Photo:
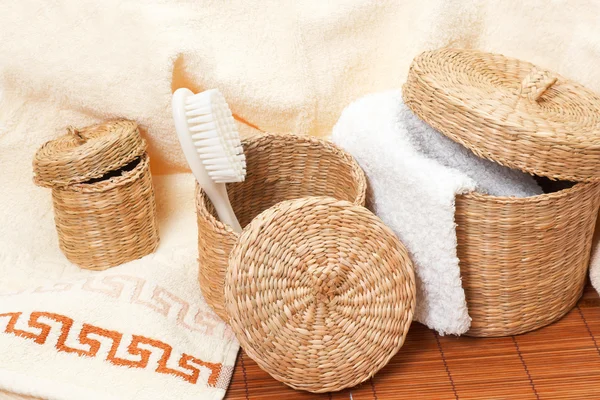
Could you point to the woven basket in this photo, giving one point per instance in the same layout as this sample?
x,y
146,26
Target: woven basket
x,y
104,206
523,260
280,167
319,292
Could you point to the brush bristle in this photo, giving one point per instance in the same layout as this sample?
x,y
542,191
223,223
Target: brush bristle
x,y
215,136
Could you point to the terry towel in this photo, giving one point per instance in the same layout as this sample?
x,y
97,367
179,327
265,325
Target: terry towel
x,y
286,66
137,331
122,333
414,173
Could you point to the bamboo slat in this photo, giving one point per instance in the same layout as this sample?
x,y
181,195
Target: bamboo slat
x,y
560,361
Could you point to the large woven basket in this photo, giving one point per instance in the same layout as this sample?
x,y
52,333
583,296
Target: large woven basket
x,y
319,292
280,167
104,206
523,260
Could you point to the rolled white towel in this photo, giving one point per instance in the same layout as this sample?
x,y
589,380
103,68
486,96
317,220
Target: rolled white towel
x,y
490,177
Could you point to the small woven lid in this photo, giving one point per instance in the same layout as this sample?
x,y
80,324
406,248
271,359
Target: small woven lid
x,y
508,111
87,153
320,293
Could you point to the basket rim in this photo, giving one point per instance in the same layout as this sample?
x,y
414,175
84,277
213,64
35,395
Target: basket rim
x,y
201,196
111,183
544,197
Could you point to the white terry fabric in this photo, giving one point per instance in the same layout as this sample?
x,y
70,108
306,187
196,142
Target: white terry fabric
x,y
156,297
154,340
595,258
490,178
414,174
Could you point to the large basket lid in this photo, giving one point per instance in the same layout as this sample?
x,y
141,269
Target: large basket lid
x,y
87,153
320,293
508,111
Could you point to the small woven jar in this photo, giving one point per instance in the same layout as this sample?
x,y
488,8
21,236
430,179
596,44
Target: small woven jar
x,y
319,292
523,261
104,206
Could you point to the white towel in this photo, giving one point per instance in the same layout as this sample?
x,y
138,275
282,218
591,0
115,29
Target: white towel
x,y
595,258
414,173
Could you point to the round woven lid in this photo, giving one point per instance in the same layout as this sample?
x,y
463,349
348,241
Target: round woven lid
x,y
87,153
320,293
508,111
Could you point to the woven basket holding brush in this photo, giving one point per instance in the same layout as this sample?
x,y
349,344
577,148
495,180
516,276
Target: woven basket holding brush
x,y
523,261
319,292
104,206
280,167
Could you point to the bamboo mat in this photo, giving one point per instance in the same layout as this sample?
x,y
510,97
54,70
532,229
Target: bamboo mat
x,y
561,361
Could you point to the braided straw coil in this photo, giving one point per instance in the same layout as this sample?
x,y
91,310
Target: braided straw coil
x,y
320,293
508,111
280,167
87,153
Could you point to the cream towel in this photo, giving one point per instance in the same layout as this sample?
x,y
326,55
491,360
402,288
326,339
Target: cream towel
x,y
155,300
414,174
117,334
286,65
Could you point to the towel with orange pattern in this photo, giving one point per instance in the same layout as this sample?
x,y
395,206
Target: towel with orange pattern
x,y
138,331
113,335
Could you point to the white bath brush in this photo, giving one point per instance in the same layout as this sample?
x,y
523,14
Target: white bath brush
x,y
211,144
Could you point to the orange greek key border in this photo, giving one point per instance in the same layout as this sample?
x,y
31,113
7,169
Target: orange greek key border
x,y
189,365
138,291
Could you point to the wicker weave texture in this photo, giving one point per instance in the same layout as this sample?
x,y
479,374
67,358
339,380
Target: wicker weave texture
x,y
88,153
110,222
524,261
280,167
320,293
509,111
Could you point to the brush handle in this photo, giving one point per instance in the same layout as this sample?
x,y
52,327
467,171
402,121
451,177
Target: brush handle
x,y
220,200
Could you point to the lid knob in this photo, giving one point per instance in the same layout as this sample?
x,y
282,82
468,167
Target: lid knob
x,y
536,83
71,130
326,280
